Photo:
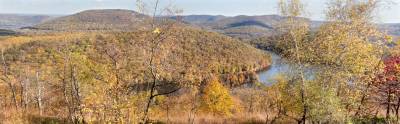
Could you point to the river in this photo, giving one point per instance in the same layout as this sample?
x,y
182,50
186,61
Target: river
x,y
279,67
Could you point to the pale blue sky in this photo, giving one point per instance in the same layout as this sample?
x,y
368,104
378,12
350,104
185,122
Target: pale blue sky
x,y
211,7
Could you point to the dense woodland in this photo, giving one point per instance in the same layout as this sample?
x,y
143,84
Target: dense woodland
x,y
60,73
82,69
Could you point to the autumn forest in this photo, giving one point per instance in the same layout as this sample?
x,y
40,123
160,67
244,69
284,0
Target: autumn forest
x,y
156,65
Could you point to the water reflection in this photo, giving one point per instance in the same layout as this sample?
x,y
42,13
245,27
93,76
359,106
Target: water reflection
x,y
281,67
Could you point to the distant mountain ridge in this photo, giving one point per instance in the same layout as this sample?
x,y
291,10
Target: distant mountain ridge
x,y
391,28
5,32
242,26
107,19
201,19
250,27
16,21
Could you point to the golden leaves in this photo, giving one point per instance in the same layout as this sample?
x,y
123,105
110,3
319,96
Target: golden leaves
x,y
216,99
157,31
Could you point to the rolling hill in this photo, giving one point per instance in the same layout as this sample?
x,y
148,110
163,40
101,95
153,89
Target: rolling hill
x,y
107,19
243,27
127,20
4,32
201,43
112,67
16,21
192,51
253,27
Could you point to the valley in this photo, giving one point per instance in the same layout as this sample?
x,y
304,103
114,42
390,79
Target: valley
x,y
155,65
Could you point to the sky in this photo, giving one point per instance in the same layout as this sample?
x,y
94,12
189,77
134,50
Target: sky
x,y
315,8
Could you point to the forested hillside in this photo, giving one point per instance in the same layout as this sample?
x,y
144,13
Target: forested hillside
x,y
97,20
110,71
153,65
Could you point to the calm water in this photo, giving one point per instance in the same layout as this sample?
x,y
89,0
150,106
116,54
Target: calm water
x,y
280,67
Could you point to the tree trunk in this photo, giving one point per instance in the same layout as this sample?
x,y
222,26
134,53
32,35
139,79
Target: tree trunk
x,y
149,100
13,93
39,94
76,95
22,92
26,83
303,117
192,113
7,80
397,109
388,105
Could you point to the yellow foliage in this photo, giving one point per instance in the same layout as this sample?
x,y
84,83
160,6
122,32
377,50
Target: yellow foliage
x,y
157,31
216,99
6,42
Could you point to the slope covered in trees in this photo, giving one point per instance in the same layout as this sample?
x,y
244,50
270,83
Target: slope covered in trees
x,y
107,19
81,76
110,71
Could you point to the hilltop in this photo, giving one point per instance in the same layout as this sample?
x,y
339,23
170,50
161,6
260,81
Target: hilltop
x,y
199,48
107,19
242,27
205,52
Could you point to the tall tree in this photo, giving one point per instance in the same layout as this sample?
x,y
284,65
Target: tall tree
x,y
351,48
216,99
296,31
161,28
386,86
